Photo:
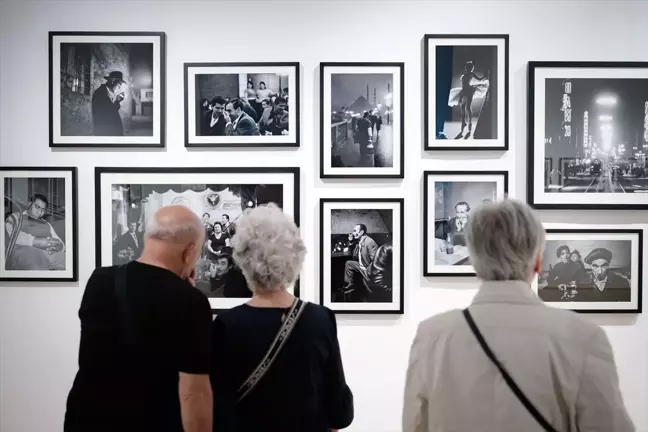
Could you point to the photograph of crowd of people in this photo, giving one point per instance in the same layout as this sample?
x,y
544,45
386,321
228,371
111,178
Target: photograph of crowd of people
x,y
108,91
218,205
37,231
588,268
449,202
244,105
361,264
362,130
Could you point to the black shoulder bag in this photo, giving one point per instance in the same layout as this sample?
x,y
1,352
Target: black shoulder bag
x,y
507,378
289,323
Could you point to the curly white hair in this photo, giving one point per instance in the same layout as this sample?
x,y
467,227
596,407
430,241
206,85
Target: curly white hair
x,y
268,249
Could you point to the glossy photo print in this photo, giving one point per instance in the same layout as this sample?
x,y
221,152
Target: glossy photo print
x,y
127,197
588,135
449,199
38,241
361,120
592,270
107,89
466,81
241,104
361,259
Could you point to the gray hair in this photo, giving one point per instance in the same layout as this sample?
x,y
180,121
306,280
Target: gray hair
x,y
504,240
268,249
174,225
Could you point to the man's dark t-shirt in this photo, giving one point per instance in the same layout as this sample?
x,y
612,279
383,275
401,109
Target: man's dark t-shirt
x,y
134,386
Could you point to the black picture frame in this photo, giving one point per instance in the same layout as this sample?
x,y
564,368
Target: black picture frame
x,y
398,202
426,213
72,238
54,138
291,172
537,199
504,100
638,266
397,149
295,95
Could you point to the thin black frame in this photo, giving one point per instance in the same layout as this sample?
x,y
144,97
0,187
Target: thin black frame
x,y
532,66
75,224
401,66
295,171
297,94
426,175
639,233
162,126
426,88
401,203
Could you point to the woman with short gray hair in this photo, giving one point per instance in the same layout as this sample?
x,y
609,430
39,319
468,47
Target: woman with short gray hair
x,y
276,360
508,363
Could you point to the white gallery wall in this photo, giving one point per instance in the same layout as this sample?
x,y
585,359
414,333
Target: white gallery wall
x,y
39,328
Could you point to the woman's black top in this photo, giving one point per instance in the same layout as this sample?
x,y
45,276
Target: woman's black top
x,y
218,243
303,391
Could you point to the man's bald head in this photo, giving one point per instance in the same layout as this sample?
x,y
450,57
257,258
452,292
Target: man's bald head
x,y
175,224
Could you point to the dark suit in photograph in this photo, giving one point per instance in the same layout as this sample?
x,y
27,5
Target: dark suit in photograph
x,y
356,269
106,120
457,230
243,126
128,248
613,289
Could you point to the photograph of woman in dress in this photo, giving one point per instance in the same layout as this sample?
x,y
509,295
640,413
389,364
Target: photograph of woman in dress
x,y
218,239
472,87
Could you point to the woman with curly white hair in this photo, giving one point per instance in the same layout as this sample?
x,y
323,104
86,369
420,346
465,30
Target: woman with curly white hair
x,y
276,360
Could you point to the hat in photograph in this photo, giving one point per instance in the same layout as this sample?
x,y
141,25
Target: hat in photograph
x,y
598,253
115,75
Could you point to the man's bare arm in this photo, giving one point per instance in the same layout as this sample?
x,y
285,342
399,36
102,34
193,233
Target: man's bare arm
x,y
196,402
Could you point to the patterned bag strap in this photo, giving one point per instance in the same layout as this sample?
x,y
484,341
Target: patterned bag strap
x,y
279,341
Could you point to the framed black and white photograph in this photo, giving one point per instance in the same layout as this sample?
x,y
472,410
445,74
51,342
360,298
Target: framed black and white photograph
x,y
448,199
107,89
39,239
361,255
466,92
126,197
241,104
588,135
361,120
592,270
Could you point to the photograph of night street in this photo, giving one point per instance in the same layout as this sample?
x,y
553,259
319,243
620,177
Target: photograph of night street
x,y
596,135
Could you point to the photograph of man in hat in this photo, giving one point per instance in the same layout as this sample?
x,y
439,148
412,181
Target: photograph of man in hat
x,y
601,284
106,102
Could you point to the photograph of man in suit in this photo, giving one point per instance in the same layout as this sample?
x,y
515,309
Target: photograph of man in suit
x,y
129,245
106,102
601,284
239,122
457,224
214,122
31,241
279,119
355,270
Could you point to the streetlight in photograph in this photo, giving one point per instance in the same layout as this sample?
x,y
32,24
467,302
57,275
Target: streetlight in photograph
x,y
606,100
605,118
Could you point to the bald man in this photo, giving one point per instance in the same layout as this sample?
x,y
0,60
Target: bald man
x,y
145,349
